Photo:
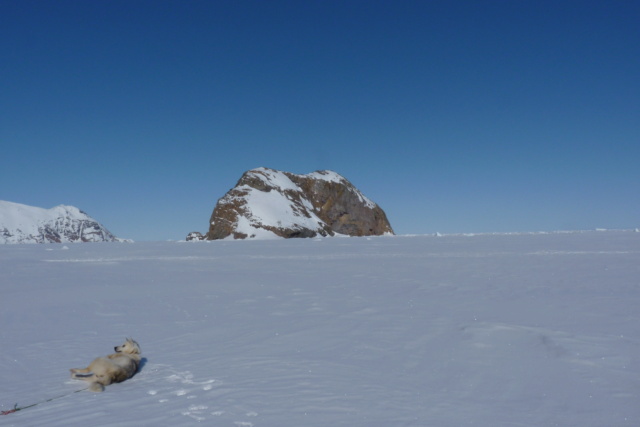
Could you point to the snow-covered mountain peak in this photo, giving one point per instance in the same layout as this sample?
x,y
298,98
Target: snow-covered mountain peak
x,y
61,224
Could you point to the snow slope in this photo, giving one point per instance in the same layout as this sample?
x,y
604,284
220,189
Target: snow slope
x,y
62,224
485,330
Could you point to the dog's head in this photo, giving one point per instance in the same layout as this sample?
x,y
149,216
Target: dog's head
x,y
130,346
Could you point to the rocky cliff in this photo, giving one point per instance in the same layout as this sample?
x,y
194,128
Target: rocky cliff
x,y
28,224
267,203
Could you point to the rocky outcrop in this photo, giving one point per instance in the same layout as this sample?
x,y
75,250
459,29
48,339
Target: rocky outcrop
x,y
267,203
194,236
62,224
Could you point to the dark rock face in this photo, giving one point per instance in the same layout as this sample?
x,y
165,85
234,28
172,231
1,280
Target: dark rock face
x,y
194,236
69,229
266,202
345,209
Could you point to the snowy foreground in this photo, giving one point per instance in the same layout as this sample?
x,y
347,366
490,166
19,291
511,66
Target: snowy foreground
x,y
485,330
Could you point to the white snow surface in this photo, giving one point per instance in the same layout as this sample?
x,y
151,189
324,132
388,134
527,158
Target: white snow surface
x,y
27,224
275,209
483,330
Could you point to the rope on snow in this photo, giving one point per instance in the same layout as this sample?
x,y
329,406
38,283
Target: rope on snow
x,y
17,408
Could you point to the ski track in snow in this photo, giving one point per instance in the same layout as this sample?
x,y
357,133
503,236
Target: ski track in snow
x,y
487,330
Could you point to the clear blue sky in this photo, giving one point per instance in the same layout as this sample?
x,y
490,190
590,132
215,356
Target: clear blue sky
x,y
454,116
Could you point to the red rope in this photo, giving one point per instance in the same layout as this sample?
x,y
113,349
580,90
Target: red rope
x,y
11,411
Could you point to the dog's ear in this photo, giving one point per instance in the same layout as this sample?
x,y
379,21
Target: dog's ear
x,y
134,345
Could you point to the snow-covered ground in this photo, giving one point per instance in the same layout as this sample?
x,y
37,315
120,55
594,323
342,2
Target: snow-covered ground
x,y
485,330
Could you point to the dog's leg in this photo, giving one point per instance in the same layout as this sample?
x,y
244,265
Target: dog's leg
x,y
96,387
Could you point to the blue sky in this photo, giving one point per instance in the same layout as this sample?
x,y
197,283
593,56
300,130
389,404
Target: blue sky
x,y
454,116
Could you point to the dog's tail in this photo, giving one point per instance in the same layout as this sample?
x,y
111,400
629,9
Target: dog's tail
x,y
78,376
96,387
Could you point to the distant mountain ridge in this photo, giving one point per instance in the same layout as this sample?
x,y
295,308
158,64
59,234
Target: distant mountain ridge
x,y
267,203
62,224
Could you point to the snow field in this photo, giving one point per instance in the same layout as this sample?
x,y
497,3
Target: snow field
x,y
485,330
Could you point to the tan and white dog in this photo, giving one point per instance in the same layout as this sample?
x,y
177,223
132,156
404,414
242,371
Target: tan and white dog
x,y
114,368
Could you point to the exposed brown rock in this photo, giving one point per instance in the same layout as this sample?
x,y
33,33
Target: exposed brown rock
x,y
289,205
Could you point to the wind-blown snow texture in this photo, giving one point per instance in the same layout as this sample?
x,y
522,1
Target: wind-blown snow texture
x,y
486,330
61,224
